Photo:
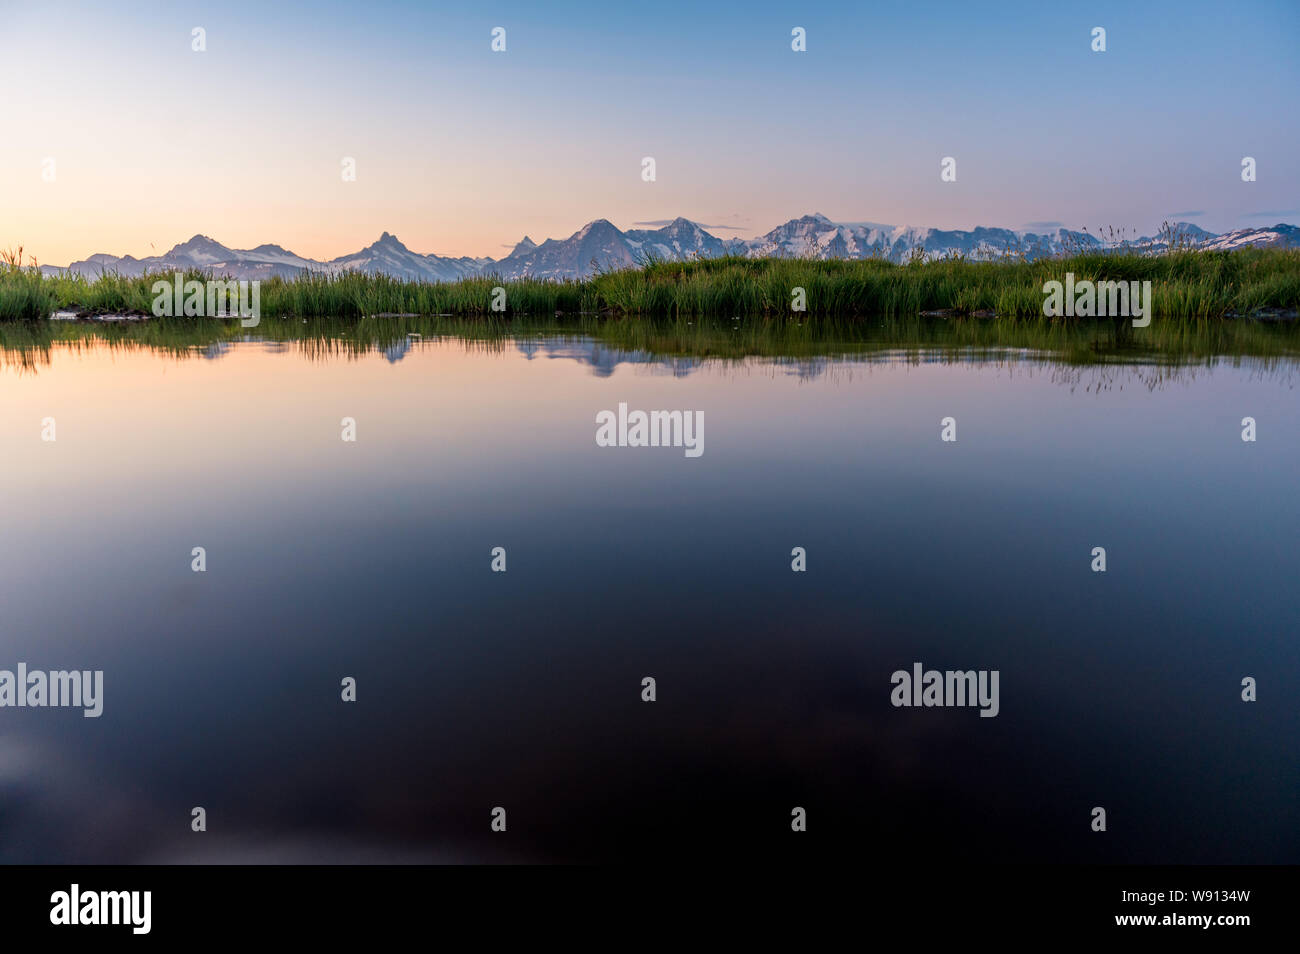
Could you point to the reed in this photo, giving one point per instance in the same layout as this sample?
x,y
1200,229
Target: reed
x,y
1186,285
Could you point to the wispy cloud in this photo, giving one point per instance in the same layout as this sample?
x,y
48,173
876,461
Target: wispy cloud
x,y
1185,215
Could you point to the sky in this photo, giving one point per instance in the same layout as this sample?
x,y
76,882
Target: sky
x,y
460,150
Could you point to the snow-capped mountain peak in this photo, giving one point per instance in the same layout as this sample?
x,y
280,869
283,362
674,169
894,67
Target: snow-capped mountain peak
x,y
600,245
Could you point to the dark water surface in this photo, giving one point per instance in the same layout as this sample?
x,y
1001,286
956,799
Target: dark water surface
x,y
522,689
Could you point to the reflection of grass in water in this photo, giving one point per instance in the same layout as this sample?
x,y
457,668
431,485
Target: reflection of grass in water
x,y
1073,342
1185,284
29,344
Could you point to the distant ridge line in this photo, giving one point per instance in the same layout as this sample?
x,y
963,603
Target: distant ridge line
x,y
608,247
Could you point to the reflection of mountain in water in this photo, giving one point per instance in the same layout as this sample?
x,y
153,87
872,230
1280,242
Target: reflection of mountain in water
x,y
219,349
395,351
604,359
1104,354
601,358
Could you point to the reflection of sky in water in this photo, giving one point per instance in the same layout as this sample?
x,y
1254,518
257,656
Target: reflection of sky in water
x,y
477,689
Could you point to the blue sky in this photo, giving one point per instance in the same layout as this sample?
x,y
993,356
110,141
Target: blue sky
x,y
460,150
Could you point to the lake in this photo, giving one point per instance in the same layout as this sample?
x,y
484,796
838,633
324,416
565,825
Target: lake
x,y
371,559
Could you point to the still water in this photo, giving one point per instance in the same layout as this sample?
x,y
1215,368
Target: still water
x,y
475,689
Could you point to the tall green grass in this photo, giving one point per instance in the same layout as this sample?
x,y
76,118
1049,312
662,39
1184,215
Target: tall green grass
x,y
1185,285
24,295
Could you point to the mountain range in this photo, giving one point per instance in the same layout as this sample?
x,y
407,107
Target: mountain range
x,y
600,245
